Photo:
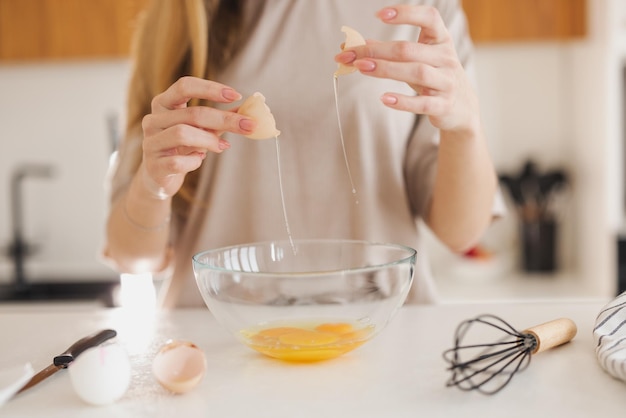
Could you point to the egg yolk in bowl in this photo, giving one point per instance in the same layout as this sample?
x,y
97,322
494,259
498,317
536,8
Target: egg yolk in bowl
x,y
307,341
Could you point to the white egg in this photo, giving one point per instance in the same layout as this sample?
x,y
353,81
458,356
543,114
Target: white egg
x,y
179,366
101,375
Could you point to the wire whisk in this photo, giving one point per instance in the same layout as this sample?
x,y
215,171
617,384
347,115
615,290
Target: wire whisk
x,y
489,367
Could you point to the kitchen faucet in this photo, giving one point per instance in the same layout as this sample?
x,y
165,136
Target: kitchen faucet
x,y
19,249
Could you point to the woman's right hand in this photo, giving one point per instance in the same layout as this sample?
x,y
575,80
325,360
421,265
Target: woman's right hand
x,y
177,137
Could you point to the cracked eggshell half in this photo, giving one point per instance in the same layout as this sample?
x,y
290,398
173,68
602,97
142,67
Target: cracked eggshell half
x,y
256,108
353,39
179,366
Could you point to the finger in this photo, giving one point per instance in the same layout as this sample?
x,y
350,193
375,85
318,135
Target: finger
x,y
427,17
422,105
418,75
177,164
406,51
182,135
187,88
203,117
346,56
188,151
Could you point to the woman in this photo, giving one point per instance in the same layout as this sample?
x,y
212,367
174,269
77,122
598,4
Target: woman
x,y
187,180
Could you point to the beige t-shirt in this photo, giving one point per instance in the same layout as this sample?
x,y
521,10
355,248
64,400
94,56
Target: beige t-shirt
x,y
391,154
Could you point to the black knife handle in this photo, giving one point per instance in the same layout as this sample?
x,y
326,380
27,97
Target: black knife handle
x,y
93,340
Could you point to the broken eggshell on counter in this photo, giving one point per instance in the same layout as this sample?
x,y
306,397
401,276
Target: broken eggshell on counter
x,y
179,366
101,375
353,39
256,108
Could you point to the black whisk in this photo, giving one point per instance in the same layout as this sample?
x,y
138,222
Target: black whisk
x,y
489,367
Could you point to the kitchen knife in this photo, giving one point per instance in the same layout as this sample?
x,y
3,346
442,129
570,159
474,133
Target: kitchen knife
x,y
63,360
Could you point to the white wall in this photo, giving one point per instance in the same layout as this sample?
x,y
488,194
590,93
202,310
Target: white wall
x,y
598,157
56,113
526,93
560,103
527,98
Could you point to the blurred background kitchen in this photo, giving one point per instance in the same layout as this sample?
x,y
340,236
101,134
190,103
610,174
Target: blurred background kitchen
x,y
551,79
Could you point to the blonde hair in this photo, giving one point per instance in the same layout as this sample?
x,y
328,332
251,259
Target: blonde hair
x,y
175,38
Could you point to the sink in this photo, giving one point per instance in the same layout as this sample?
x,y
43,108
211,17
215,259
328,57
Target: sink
x,y
26,289
101,291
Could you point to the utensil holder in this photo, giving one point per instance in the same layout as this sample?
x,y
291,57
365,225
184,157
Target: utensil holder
x,y
539,245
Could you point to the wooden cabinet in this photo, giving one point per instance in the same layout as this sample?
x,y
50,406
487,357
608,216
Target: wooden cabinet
x,y
61,29
525,20
64,29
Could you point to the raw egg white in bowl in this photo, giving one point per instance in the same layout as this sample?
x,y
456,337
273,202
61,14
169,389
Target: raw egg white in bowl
x,y
310,301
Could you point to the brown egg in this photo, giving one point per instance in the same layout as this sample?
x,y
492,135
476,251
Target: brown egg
x,y
353,38
179,366
255,108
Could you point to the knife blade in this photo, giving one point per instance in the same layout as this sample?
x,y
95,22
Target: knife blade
x,y
63,360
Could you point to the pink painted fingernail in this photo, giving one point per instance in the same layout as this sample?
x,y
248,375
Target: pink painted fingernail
x,y
230,94
346,57
387,13
247,125
365,65
223,144
388,99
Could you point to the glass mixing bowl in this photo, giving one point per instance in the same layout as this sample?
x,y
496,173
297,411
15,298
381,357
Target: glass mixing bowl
x,y
309,300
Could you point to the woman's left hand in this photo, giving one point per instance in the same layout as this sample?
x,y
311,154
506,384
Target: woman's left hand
x,y
429,65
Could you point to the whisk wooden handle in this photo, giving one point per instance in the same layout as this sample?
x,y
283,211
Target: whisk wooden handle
x,y
552,333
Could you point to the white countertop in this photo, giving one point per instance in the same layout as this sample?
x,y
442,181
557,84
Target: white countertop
x,y
400,373
516,287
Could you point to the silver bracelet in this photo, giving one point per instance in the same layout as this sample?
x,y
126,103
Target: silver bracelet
x,y
143,227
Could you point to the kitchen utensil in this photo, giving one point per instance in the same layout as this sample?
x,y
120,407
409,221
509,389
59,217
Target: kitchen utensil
x,y
533,193
63,360
318,302
514,187
550,184
488,367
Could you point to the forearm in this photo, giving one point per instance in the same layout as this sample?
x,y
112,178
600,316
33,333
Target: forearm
x,y
464,189
176,139
138,229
